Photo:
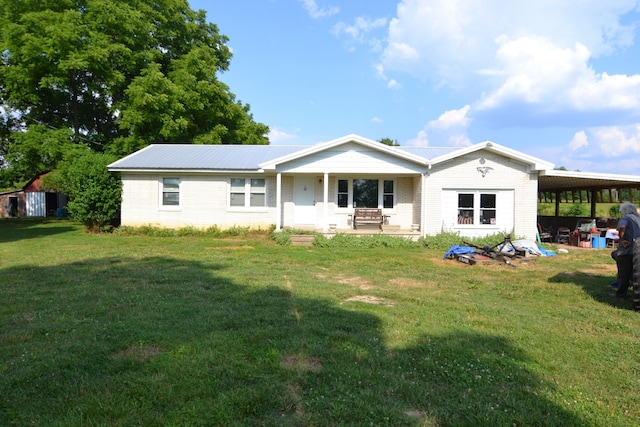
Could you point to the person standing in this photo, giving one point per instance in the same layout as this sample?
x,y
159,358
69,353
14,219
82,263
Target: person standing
x,y
628,231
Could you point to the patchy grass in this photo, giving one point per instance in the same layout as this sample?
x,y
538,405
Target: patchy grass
x,y
192,329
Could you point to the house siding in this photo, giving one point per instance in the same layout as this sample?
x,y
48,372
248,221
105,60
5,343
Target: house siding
x,y
203,203
505,176
351,159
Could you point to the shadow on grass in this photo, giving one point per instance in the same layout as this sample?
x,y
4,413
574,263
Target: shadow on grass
x,y
14,229
597,286
161,341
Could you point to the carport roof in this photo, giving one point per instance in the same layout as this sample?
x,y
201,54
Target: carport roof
x,y
552,180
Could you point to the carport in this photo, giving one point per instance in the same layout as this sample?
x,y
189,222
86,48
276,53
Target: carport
x,y
561,182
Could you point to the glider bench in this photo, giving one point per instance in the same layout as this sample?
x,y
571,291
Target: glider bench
x,y
367,216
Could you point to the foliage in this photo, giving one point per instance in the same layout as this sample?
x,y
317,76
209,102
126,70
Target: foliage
x,y
342,240
614,211
389,141
113,76
94,193
574,209
213,231
143,330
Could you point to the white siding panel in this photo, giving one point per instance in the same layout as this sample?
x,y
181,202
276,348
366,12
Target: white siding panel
x,y
36,204
351,159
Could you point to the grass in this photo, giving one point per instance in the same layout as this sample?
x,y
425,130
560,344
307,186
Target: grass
x,y
123,329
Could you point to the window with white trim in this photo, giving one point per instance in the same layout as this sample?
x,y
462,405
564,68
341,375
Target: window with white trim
x,y
477,208
170,191
366,193
247,192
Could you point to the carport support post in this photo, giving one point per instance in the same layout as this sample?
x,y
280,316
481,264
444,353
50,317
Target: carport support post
x,y
593,203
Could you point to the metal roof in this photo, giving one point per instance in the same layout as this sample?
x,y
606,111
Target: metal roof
x,y
559,180
228,157
249,158
202,157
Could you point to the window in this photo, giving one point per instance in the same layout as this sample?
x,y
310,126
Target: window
x,y
244,192
366,193
170,191
477,208
488,209
343,193
258,193
465,208
387,195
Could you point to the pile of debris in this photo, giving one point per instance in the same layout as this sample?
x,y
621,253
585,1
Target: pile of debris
x,y
507,252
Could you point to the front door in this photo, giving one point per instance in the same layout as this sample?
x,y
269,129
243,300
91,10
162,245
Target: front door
x,y
305,201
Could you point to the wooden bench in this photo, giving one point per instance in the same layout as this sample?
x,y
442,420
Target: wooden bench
x,y
367,216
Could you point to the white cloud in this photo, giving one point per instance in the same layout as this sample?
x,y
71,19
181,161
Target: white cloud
x,y
317,12
376,119
393,84
280,137
539,57
615,141
360,28
448,129
451,119
580,140
421,140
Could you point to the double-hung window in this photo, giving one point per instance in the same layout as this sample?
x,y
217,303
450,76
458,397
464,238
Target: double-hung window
x,y
170,191
247,192
477,208
366,193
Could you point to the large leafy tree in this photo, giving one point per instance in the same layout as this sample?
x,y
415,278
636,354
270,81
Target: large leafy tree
x,y
115,75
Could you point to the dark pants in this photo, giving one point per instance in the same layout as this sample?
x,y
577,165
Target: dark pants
x,y
625,270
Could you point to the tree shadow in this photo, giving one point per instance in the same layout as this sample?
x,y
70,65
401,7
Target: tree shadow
x,y
597,286
14,229
163,341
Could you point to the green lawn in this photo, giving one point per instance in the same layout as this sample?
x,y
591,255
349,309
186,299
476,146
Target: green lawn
x,y
121,330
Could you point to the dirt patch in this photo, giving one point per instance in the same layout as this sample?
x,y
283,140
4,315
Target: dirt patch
x,y
139,352
313,364
369,299
347,280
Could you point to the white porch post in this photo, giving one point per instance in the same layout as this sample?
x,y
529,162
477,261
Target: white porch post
x,y
325,200
423,208
278,201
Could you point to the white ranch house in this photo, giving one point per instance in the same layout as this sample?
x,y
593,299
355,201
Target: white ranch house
x,y
482,189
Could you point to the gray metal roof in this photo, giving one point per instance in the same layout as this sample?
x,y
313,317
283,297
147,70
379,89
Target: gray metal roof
x,y
202,157
227,157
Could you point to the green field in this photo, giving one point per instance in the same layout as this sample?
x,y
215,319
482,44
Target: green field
x,y
120,330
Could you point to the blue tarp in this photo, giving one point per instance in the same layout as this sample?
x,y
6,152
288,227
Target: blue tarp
x,y
458,250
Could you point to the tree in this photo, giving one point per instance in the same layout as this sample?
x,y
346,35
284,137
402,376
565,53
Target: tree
x,y
390,142
94,192
115,75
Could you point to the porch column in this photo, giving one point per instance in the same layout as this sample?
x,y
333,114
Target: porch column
x,y
278,201
325,200
423,207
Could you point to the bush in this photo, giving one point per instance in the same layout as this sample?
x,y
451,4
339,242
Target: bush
x,y
94,192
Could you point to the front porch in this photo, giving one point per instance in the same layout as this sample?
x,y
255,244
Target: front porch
x,y
387,230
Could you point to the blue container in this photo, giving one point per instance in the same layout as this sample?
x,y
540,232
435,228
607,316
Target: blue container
x,y
598,242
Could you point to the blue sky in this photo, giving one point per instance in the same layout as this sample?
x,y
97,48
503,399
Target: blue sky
x,y
559,80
